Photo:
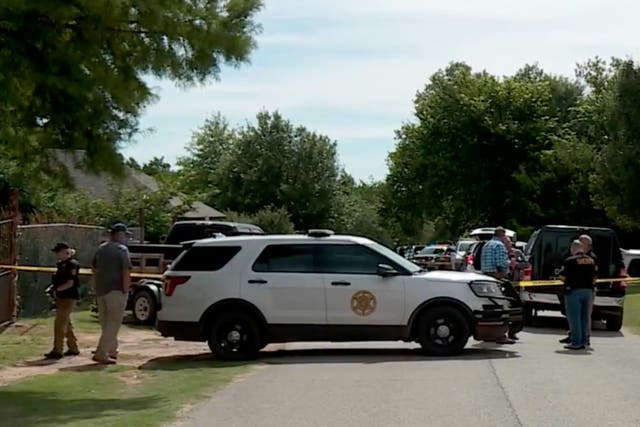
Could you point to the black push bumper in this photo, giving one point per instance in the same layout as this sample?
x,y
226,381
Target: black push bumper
x,y
492,322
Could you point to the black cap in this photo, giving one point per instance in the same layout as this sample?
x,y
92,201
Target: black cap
x,y
60,247
117,227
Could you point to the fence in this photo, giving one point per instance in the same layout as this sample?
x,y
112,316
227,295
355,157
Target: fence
x,y
8,255
36,242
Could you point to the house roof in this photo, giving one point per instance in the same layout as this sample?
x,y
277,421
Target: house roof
x,y
99,185
198,210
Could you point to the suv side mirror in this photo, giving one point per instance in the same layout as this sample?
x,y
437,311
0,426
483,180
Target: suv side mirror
x,y
385,270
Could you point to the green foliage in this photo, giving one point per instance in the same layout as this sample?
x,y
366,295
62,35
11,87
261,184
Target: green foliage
x,y
271,163
156,166
72,71
473,132
271,220
618,165
356,210
129,206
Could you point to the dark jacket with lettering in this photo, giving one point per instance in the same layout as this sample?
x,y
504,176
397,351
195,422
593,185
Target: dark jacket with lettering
x,y
67,270
579,272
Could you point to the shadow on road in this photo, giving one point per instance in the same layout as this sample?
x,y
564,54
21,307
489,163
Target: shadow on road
x,y
324,355
557,325
574,352
373,355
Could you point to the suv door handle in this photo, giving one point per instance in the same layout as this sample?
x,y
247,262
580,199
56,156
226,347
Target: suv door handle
x,y
340,283
258,282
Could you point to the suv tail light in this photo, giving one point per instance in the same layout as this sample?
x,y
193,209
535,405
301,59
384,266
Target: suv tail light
x,y
527,272
622,284
171,282
469,259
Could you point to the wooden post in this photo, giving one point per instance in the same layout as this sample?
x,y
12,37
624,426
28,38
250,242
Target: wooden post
x,y
14,212
141,221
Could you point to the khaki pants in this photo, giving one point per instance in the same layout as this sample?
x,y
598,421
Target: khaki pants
x,y
110,311
62,326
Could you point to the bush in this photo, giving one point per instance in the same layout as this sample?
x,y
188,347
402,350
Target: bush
x,y
270,219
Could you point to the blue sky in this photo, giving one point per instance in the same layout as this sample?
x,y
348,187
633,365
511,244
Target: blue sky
x,y
350,69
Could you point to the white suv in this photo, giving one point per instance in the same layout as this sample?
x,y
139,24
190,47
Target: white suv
x,y
241,293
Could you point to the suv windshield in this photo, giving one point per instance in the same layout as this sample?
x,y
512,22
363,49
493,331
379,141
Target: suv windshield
x,y
403,262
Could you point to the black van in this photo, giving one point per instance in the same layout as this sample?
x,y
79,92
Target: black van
x,y
546,250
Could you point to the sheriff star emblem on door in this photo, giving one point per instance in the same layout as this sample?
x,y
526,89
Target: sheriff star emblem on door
x,y
363,303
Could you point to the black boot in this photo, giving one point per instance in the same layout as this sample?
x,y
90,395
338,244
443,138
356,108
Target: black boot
x,y
566,340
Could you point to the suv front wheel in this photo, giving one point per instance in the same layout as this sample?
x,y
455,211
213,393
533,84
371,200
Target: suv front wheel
x,y
443,331
234,336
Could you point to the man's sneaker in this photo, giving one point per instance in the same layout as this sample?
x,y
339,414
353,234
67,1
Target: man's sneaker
x,y
574,347
103,361
71,353
566,340
505,340
111,356
53,355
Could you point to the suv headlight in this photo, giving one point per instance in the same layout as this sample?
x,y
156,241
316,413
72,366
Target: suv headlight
x,y
486,289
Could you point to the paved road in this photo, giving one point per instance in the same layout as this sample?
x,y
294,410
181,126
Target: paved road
x,y
533,383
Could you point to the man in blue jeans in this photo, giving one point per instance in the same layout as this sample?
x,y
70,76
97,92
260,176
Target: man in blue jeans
x,y
579,273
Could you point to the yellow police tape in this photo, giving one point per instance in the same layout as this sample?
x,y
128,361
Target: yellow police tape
x,y
83,271
522,284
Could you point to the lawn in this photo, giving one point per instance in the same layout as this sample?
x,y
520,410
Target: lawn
x,y
88,395
113,396
34,337
632,311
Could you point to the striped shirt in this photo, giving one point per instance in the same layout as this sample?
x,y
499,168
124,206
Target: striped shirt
x,y
495,257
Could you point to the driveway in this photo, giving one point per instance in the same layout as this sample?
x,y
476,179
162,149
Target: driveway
x,y
532,383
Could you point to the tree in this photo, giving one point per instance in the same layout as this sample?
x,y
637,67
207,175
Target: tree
x,y
156,166
124,205
200,171
75,69
271,163
456,164
617,167
271,220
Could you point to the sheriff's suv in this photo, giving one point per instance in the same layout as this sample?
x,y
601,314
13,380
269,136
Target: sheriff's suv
x,y
241,293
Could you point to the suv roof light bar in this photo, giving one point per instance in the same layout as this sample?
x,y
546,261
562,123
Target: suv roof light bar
x,y
320,233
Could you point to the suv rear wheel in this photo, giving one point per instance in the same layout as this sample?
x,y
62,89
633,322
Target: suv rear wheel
x,y
234,336
614,322
443,331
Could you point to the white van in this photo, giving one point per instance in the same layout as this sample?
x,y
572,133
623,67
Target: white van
x,y
486,233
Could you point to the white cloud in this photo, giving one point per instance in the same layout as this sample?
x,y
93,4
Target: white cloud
x,y
350,69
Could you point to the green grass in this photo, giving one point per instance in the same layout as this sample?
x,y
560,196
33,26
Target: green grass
x,y
632,312
113,396
34,337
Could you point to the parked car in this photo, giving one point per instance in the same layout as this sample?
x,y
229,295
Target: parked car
x,y
546,250
241,293
439,257
463,246
631,260
412,251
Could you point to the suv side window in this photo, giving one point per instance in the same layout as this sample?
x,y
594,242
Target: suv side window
x,y
206,258
351,259
286,259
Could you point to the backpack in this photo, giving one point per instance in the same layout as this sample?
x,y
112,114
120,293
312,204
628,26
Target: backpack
x,y
477,258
